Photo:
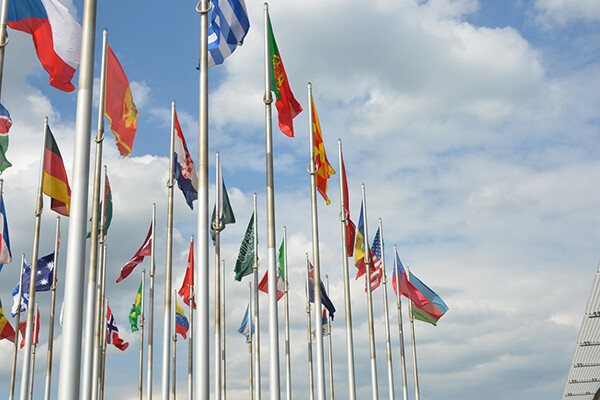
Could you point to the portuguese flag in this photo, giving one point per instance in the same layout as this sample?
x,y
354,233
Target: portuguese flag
x,y
287,106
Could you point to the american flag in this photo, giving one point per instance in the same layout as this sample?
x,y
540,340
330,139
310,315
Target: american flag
x,y
376,264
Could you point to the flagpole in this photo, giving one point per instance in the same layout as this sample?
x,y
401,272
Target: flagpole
x,y
251,372
69,376
100,327
387,318
414,345
168,266
271,257
202,389
316,256
34,264
369,300
217,228
141,359
347,305
90,304
311,384
288,367
52,307
151,308
173,386
191,300
400,327
33,348
255,307
223,341
103,369
329,345
3,37
13,374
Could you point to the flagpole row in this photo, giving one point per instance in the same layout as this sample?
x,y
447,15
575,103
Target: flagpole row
x,y
386,317
13,374
52,309
400,327
311,385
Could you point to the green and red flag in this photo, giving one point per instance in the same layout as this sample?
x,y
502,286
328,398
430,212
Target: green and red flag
x,y
287,106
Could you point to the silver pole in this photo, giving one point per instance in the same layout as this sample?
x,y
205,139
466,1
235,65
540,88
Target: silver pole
x,y
201,276
311,384
329,345
168,266
217,228
369,301
387,318
288,366
347,305
400,327
251,372
271,256
414,344
3,36
255,308
33,348
174,386
70,364
151,308
103,369
16,343
316,256
90,304
34,263
141,359
223,341
52,307
190,335
100,326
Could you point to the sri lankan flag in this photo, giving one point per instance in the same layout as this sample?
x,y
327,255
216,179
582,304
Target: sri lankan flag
x,y
324,169
56,184
119,107
287,106
6,329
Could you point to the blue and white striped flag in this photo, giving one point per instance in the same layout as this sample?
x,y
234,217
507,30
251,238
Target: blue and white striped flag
x,y
244,328
228,28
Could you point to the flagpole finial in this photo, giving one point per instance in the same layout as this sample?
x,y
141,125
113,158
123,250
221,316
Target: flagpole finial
x,y
266,6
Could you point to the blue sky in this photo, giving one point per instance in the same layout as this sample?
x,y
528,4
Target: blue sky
x,y
473,124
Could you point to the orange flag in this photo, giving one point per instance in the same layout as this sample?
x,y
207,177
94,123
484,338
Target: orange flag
x,y
119,107
324,169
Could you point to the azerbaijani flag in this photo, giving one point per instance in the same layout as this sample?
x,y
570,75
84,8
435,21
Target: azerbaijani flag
x,y
56,37
324,169
181,323
56,183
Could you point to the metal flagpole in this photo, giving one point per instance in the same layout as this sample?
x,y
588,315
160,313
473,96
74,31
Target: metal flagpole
x,y
202,388
103,369
387,318
311,384
250,340
316,257
141,359
33,269
33,348
52,307
217,228
168,266
191,337
288,367
100,327
414,345
151,308
369,300
90,303
329,344
70,365
3,36
271,256
347,305
400,327
173,385
13,374
255,312
223,341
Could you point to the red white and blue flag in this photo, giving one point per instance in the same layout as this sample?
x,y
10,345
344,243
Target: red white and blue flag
x,y
185,172
112,332
376,263
5,254
56,37
181,322
5,121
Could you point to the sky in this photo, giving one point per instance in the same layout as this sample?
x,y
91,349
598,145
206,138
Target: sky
x,y
472,124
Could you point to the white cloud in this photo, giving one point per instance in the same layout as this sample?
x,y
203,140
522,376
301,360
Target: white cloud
x,y
563,12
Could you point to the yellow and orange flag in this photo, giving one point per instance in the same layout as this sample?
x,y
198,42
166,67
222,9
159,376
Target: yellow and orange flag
x,y
324,169
119,107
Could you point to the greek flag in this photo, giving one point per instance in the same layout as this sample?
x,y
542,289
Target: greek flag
x,y
228,28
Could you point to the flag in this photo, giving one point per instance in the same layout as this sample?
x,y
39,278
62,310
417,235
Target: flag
x,y
108,209
112,332
322,166
324,329
43,282
36,330
119,107
136,309
5,124
264,285
350,228
287,106
246,325
327,303
359,245
185,171
144,250
181,323
56,183
56,36
5,253
226,216
245,259
281,259
188,281
376,263
228,28
6,329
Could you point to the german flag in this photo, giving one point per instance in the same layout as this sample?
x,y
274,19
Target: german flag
x,y
56,184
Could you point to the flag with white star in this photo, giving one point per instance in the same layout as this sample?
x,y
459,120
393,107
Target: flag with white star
x,y
43,282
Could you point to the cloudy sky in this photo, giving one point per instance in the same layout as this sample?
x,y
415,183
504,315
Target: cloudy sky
x,y
473,125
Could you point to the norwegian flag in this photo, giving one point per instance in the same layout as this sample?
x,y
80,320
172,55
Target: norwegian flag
x,y
112,332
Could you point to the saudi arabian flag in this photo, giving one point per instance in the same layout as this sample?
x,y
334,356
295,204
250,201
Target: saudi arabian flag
x,y
136,310
281,258
245,260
